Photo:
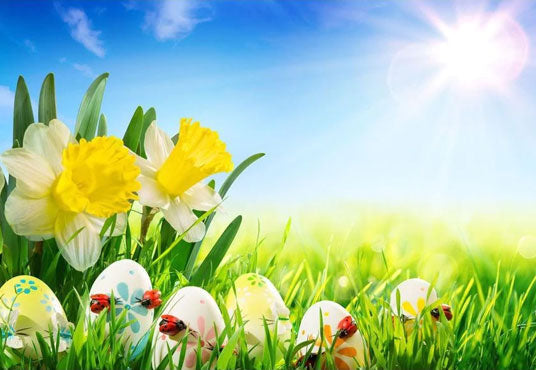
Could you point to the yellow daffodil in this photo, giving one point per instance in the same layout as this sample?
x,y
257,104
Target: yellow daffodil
x,y
66,189
171,175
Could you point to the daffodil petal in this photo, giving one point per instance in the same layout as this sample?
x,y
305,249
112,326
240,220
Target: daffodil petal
x,y
158,145
30,216
146,167
33,173
120,224
151,194
77,235
181,218
48,142
201,197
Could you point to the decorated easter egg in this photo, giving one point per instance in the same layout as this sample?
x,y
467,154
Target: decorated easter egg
x,y
191,311
128,282
413,297
338,330
259,302
29,307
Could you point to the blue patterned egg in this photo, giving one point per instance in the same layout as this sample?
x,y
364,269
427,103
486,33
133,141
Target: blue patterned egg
x,y
127,281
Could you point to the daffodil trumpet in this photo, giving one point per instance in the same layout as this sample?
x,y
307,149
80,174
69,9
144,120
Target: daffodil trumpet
x,y
171,176
66,189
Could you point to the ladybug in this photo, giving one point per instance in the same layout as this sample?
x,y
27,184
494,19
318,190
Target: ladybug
x,y
99,302
347,327
151,299
170,325
446,311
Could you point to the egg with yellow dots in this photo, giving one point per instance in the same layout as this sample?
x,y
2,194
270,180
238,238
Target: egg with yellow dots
x,y
28,306
411,297
258,302
330,327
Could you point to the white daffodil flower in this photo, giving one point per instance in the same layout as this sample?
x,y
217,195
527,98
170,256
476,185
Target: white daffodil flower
x,y
171,175
66,189
8,319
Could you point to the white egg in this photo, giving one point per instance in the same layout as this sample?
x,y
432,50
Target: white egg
x,y
349,352
128,281
28,306
258,301
413,297
197,309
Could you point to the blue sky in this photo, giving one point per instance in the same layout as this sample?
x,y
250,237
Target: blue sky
x,y
334,92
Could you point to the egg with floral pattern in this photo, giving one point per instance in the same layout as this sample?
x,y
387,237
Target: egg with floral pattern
x,y
202,322
414,297
259,302
29,307
127,281
348,351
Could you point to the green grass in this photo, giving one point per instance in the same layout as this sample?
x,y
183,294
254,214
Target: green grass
x,y
489,286
352,254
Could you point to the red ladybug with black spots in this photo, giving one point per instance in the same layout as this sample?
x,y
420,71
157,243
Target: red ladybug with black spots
x,y
151,299
346,327
171,325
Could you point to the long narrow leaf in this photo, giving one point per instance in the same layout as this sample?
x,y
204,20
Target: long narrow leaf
x,y
47,100
133,133
22,112
223,191
103,127
88,114
148,118
216,254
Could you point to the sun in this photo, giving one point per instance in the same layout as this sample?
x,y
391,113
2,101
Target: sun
x,y
484,51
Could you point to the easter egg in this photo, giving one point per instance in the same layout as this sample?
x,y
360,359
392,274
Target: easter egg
x,y
201,319
259,302
29,307
348,351
413,297
127,281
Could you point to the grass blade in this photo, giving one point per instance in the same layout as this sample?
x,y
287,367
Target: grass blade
x,y
216,254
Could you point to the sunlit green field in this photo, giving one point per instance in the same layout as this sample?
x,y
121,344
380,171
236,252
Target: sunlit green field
x,y
355,257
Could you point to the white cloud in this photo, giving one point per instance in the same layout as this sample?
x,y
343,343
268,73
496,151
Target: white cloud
x,y
85,69
30,45
81,30
6,97
174,19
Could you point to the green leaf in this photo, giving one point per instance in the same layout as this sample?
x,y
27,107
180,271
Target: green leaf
x,y
88,114
22,112
223,190
148,118
103,127
216,254
47,100
237,171
133,133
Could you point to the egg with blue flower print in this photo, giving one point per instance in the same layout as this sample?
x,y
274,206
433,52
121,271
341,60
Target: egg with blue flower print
x,y
258,301
192,313
28,306
130,285
330,327
415,295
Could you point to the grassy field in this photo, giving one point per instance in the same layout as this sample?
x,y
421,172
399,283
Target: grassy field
x,y
474,264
